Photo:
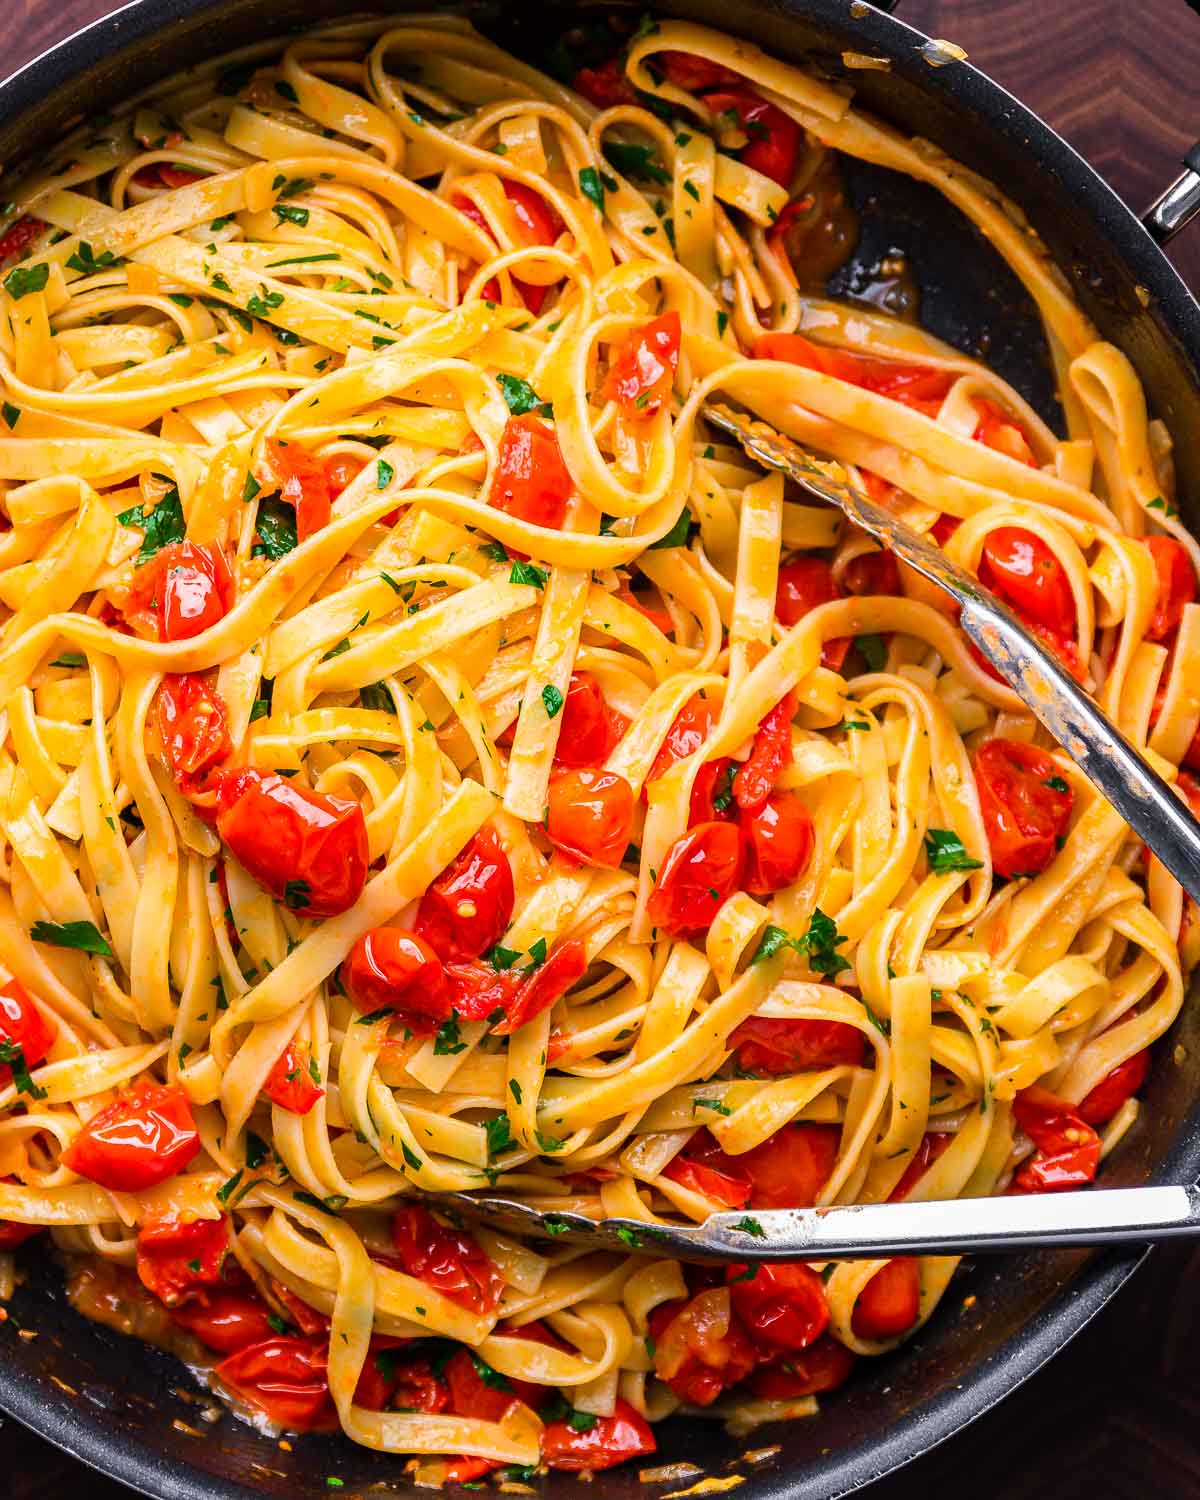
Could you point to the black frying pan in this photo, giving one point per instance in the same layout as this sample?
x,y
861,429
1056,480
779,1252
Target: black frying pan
x,y
131,1411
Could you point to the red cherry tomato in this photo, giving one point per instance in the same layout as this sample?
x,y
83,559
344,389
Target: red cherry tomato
x,y
712,793
1021,568
539,225
1068,1149
890,1302
779,843
590,815
933,1143
795,349
550,981
998,431
605,85
772,751
872,573
136,1142
13,1234
379,1378
704,1168
477,990
687,71
165,175
690,727
227,1320
466,909
182,591
944,528
341,471
1176,585
18,237
1099,1106
775,138
471,1395
700,1349
532,481
445,1259
308,850
191,718
804,583
1025,802
22,1025
822,1367
777,1044
176,1257
392,968
418,1388
791,1167
585,736
609,1441
642,371
700,873
302,481
292,1081
307,1319
919,386
781,1304
284,1377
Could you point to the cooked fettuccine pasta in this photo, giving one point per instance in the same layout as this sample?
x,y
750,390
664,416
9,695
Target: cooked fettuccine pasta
x,y
431,760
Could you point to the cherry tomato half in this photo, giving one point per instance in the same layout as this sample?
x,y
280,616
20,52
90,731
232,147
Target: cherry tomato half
x,y
292,1082
1026,805
308,850
227,1320
178,1257
608,1441
392,968
605,85
704,1168
379,1378
642,371
772,751
822,1367
445,1259
690,727
23,1025
590,815
1101,1104
183,590
699,874
18,237
191,719
550,981
538,224
1068,1149
533,482
1176,585
779,843
468,906
778,1044
302,481
890,1302
700,1349
791,1167
997,430
286,1378
1021,568
775,138
471,1395
933,1143
872,573
585,734
688,71
781,1303
136,1142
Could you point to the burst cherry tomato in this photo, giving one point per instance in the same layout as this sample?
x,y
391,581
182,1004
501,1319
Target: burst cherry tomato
x,y
478,990
532,481
690,727
1099,1106
550,981
471,1395
284,1377
700,873
538,224
778,1044
18,237
191,719
227,1320
775,138
890,1302
998,431
791,1167
176,1257
22,1025
688,71
468,906
779,843
704,1168
1025,802
642,371
292,1081
1068,1149
379,1378
590,815
872,573
822,1367
306,1318
919,386
445,1259
700,1349
302,481
605,85
933,1143
183,590
392,968
1021,568
308,850
136,1142
1176,585
781,1304
586,735
795,349
771,752
165,174
608,1441
805,583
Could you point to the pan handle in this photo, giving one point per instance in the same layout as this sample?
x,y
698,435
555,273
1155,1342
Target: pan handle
x,y
1180,204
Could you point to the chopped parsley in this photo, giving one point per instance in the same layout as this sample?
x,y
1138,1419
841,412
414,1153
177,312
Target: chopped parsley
x,y
82,935
447,1042
160,526
552,699
946,852
820,943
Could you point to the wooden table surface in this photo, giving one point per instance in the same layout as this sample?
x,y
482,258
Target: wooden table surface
x,y
1116,1416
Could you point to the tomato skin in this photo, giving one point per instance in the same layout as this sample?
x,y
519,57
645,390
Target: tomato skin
x,y
302,481
1020,567
921,387
795,349
1023,816
176,1258
933,1143
1068,1149
1176,585
18,237
191,719
390,967
605,85
585,735
771,752
774,144
698,1352
416,1387
181,592
789,1169
872,573
890,1303
688,71
642,371
23,1025
303,847
472,1396
699,874
451,1262
778,842
610,1441
781,1303
778,1044
378,1380
466,909
590,815
804,583
533,482
285,1377
226,1320
823,1366
539,225
997,430
138,1141
690,727
564,966
290,1083
1101,1104
703,1167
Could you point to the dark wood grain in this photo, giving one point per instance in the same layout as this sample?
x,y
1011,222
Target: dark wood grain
x,y
1117,1415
